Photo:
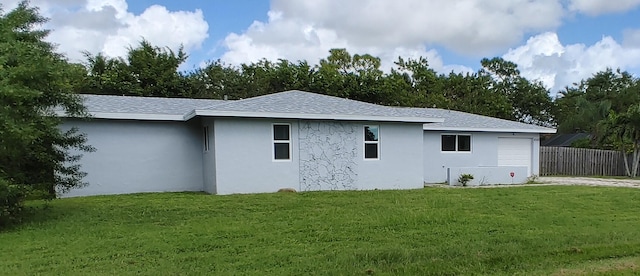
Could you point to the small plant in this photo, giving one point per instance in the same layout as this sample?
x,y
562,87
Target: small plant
x,y
464,178
532,179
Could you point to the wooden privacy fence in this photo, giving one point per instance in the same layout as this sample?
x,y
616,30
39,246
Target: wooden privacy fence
x,y
575,161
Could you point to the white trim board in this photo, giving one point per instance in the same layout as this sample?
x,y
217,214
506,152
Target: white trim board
x,y
481,129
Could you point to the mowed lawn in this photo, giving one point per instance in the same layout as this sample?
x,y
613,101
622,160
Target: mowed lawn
x,y
562,230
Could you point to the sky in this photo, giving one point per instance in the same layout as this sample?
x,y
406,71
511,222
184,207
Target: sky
x,y
557,42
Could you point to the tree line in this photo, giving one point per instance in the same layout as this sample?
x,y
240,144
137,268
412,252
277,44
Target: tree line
x,y
37,83
496,90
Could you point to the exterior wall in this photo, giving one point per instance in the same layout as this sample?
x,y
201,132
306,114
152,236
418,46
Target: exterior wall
x,y
140,156
401,163
484,153
326,155
244,157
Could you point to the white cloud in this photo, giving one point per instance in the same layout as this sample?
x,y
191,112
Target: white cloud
x,y
598,7
631,38
107,26
160,27
281,38
119,5
544,58
308,29
468,26
296,38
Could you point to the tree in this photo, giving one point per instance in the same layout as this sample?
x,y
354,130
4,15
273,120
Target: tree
x,y
472,93
148,71
582,106
34,83
624,131
576,114
427,85
215,81
109,76
334,75
530,100
464,92
588,106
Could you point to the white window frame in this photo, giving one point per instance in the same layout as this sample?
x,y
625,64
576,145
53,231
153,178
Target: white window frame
x,y
457,135
365,142
205,139
274,141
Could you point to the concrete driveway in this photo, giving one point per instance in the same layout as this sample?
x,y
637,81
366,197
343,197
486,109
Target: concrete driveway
x,y
590,181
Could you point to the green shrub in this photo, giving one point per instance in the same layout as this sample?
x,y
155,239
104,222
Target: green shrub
x,y
11,201
465,178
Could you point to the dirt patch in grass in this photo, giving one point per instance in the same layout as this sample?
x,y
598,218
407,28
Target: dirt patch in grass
x,y
623,266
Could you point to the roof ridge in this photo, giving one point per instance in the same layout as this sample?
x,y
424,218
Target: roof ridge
x,y
250,99
227,102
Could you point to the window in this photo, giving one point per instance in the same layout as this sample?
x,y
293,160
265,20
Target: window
x,y
205,138
456,142
448,142
281,142
371,142
464,143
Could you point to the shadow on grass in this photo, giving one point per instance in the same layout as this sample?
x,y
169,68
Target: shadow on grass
x,y
34,211
40,212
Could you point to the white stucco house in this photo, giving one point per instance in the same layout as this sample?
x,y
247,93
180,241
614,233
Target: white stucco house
x,y
293,139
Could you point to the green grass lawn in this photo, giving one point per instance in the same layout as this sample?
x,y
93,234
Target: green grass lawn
x,y
562,230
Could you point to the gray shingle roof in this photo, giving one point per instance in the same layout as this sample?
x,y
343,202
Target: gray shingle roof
x,y
144,105
300,102
295,104
469,122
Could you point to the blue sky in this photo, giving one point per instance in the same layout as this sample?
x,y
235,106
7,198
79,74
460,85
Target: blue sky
x,y
557,42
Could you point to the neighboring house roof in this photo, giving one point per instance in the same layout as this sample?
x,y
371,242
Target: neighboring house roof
x,y
564,140
296,105
462,121
305,105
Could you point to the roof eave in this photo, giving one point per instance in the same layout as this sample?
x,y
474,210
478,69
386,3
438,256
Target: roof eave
x,y
480,129
340,117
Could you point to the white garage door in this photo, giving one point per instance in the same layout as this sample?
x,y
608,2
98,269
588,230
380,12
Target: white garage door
x,y
515,152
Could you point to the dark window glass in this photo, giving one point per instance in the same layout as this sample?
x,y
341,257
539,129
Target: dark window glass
x,y
281,132
371,151
371,133
464,143
448,143
205,137
281,151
